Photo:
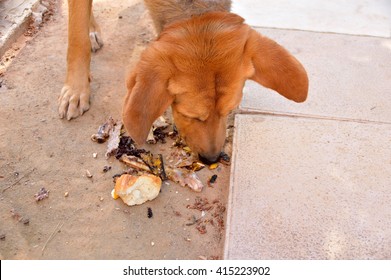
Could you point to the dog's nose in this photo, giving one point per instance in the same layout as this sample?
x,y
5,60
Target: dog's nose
x,y
208,159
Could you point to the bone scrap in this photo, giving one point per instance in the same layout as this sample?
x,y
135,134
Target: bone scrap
x,y
185,178
104,131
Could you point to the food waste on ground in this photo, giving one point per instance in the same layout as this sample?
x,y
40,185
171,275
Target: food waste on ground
x,y
143,180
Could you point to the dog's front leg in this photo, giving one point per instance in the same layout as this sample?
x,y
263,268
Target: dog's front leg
x,y
75,95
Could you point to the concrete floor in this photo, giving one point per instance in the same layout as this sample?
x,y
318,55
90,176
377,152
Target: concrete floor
x,y
311,180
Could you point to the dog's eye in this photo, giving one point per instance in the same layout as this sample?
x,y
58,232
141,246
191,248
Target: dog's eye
x,y
193,118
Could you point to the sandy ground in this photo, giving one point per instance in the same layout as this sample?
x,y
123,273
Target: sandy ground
x,y
37,149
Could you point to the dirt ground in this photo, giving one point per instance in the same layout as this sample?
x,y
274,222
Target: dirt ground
x,y
37,149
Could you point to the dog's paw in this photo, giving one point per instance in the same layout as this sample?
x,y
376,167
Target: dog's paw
x,y
73,103
96,41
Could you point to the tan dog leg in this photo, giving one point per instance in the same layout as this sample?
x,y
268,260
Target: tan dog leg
x,y
75,95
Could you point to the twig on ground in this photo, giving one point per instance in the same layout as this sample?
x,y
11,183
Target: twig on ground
x,y
58,227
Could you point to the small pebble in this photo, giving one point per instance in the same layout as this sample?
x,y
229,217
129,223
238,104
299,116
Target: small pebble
x,y
88,174
152,243
66,194
95,155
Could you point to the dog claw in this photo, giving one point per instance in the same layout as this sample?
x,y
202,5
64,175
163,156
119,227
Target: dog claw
x,y
72,103
96,41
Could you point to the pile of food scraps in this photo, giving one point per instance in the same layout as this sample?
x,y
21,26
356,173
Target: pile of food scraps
x,y
146,171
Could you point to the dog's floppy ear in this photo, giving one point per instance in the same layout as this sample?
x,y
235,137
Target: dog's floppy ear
x,y
276,68
146,100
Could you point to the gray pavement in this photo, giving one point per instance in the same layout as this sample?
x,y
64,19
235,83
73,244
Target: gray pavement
x,y
14,18
311,180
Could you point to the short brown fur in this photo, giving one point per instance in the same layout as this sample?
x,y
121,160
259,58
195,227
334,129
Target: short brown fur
x,y
199,66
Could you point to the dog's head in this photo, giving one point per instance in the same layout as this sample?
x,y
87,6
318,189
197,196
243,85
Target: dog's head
x,y
199,67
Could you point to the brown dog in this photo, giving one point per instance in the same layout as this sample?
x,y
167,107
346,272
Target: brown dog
x,y
199,66
84,36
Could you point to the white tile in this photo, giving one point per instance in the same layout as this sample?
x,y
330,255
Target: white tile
x,y
360,17
309,189
350,77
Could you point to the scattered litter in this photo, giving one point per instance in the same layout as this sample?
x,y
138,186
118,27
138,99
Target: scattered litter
x,y
103,131
224,159
150,214
135,190
152,243
201,228
146,171
161,122
135,162
213,166
201,204
183,159
157,133
66,194
95,155
211,213
160,135
113,144
155,164
88,174
106,168
127,147
185,178
212,180
151,138
114,194
42,194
